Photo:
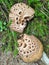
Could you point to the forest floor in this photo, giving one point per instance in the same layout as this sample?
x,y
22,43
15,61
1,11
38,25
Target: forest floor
x,y
8,58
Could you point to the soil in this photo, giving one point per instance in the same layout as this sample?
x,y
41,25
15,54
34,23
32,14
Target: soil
x,y
9,59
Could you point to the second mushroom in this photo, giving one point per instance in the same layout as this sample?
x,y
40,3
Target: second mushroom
x,y
30,48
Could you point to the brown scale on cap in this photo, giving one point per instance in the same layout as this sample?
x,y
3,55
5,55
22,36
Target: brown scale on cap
x,y
30,48
19,14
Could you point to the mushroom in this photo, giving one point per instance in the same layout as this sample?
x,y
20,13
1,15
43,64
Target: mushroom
x,y
19,14
30,48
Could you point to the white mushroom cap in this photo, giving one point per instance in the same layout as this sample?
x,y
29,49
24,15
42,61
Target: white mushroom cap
x,y
19,14
30,48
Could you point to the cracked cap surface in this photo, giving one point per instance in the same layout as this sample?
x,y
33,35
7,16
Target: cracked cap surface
x,y
30,48
19,14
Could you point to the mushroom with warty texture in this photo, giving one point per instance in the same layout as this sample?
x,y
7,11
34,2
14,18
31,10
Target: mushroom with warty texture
x,y
30,48
19,14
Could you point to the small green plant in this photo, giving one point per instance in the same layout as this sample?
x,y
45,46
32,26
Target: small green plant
x,y
9,39
37,28
2,26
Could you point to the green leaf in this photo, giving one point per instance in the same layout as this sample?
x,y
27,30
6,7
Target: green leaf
x,y
15,52
9,23
1,26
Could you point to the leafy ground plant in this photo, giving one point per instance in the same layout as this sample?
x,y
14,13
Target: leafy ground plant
x,y
38,26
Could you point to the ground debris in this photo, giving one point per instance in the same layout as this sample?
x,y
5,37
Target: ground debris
x,y
9,59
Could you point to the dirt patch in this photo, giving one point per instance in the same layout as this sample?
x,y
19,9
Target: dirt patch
x,y
9,59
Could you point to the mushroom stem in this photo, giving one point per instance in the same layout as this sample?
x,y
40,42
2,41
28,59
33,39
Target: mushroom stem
x,y
45,59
